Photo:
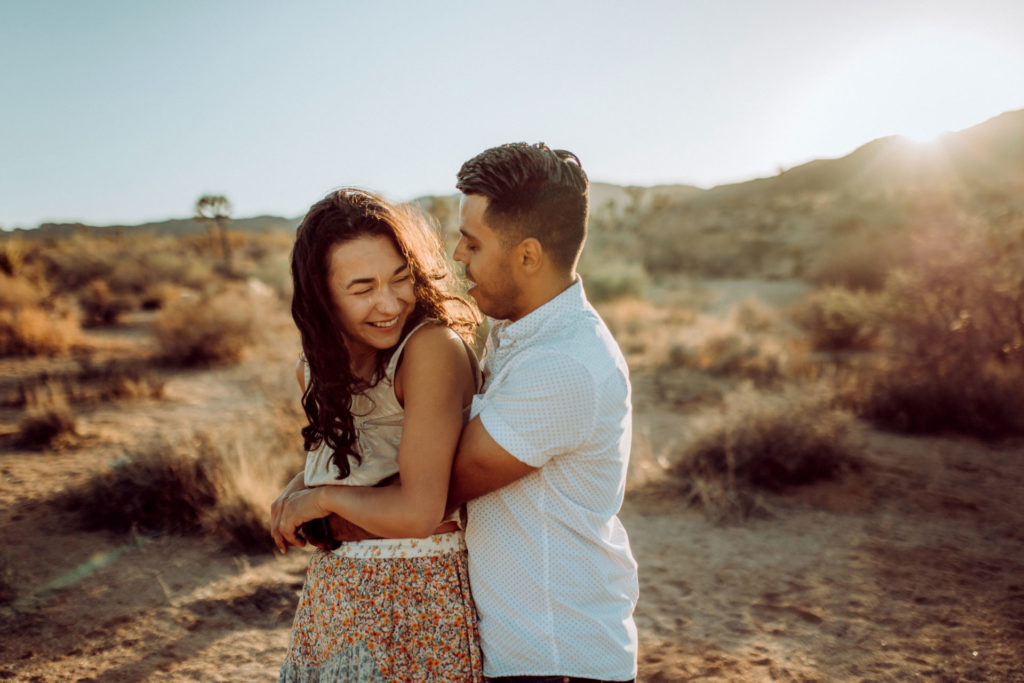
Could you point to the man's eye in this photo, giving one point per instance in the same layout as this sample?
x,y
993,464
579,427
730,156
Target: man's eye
x,y
362,291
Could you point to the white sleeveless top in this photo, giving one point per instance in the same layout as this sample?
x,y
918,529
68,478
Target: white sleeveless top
x,y
378,418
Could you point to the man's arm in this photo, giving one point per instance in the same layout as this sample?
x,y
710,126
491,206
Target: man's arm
x,y
481,466
344,530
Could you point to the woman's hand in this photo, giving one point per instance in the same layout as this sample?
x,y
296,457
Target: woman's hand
x,y
298,507
277,508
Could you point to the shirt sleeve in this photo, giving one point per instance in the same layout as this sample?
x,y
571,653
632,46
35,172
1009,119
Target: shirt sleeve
x,y
545,406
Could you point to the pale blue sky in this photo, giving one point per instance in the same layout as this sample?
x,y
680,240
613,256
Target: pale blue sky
x,y
121,111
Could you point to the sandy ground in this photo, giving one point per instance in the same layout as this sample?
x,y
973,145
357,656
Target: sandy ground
x,y
910,570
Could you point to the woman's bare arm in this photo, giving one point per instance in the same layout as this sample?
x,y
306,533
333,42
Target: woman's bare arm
x,y
437,381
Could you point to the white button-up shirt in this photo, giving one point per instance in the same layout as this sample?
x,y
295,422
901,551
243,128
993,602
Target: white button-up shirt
x,y
552,574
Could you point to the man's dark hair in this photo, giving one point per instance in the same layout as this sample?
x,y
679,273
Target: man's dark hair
x,y
533,191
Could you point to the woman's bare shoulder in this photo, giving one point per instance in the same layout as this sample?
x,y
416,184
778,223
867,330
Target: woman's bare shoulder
x,y
434,341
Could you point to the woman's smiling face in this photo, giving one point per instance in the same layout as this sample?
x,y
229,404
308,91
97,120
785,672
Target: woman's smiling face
x,y
372,288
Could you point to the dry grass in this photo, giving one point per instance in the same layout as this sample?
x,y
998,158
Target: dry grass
x,y
169,488
764,442
8,590
46,427
219,486
89,384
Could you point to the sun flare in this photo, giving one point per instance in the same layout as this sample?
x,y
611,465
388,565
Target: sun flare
x,y
915,83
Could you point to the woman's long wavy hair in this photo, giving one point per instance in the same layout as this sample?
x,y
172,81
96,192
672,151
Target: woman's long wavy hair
x,y
342,216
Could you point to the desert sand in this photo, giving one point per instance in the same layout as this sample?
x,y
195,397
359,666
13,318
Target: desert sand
x,y
911,569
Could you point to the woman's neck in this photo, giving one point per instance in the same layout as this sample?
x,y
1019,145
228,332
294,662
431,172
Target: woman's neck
x,y
364,365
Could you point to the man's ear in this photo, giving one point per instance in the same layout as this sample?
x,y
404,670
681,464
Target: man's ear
x,y
531,254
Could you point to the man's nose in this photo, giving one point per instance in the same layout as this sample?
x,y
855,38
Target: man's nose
x,y
460,251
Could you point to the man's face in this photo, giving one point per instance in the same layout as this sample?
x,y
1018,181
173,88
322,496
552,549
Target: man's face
x,y
488,262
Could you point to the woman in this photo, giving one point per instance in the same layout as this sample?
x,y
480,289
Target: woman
x,y
386,376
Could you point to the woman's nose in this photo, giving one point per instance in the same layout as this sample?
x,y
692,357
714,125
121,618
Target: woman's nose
x,y
387,301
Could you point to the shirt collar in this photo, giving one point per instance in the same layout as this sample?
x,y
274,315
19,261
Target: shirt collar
x,y
569,301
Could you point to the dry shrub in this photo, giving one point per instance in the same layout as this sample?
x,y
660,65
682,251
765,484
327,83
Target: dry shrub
x,y
685,387
837,319
7,584
73,263
194,486
168,488
613,279
46,426
645,329
102,306
765,442
269,261
749,343
860,262
981,401
955,330
35,331
18,292
216,485
13,253
211,329
172,264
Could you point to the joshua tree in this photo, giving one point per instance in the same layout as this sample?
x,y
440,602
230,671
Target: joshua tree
x,y
215,209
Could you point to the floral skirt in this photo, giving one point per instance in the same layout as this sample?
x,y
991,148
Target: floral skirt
x,y
386,610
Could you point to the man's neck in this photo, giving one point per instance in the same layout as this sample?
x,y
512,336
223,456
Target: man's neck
x,y
544,291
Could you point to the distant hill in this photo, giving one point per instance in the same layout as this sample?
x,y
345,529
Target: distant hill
x,y
986,156
790,224
773,226
173,227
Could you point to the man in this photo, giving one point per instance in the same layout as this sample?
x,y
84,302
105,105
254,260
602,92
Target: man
x,y
543,459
